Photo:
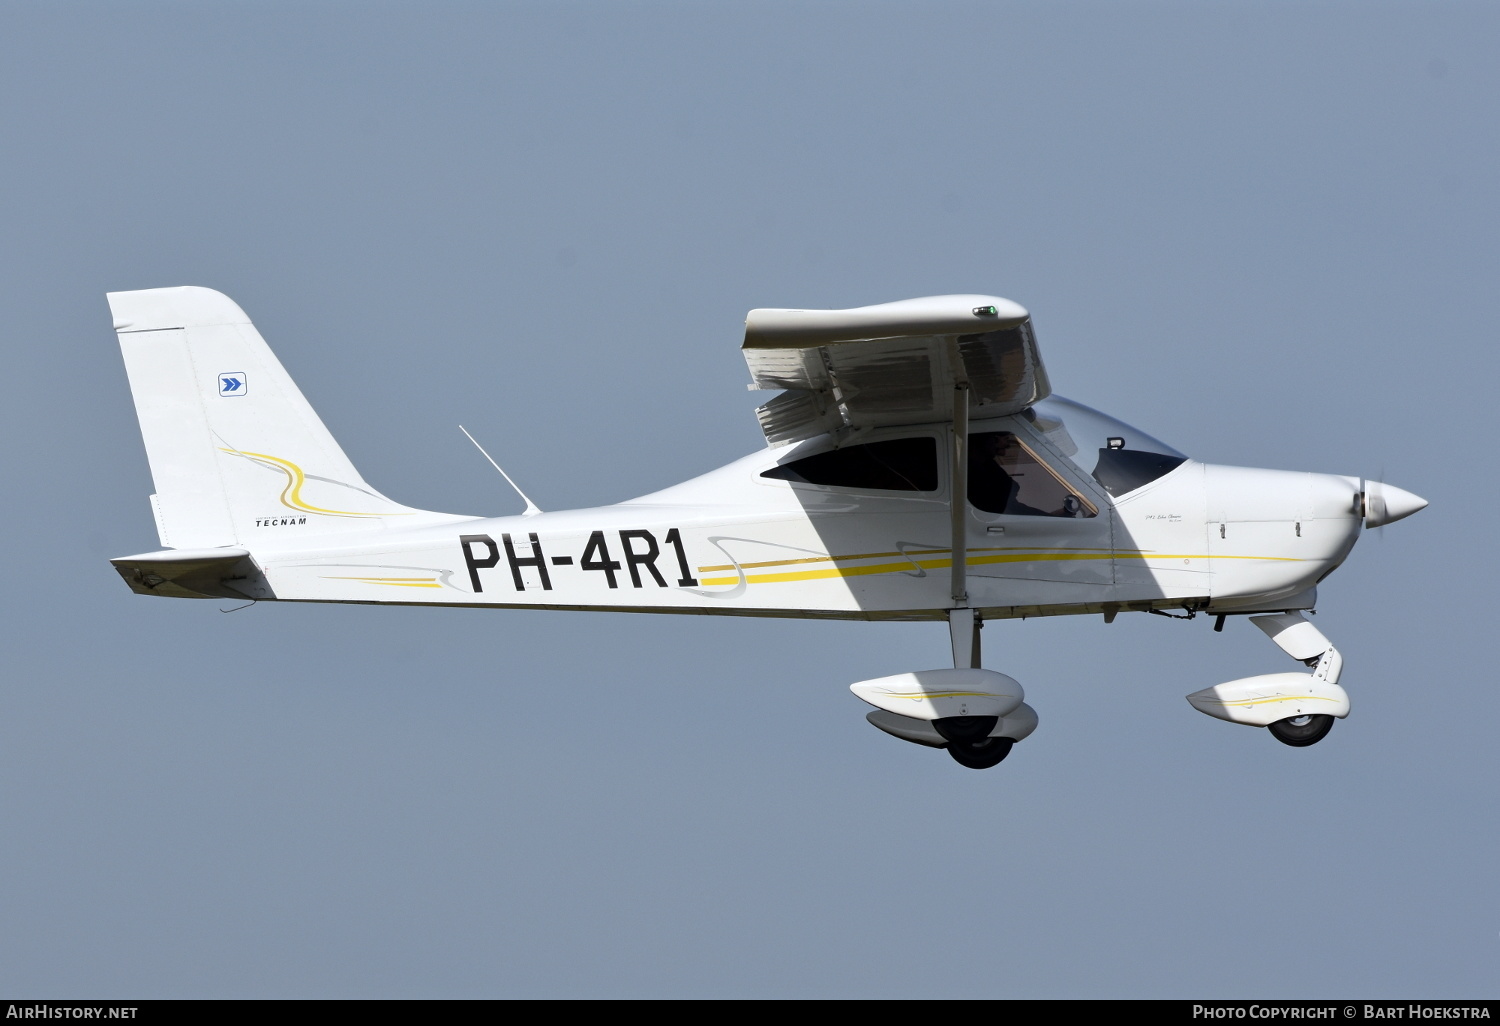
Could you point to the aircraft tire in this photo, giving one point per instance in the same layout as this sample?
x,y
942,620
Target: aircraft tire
x,y
981,754
1301,731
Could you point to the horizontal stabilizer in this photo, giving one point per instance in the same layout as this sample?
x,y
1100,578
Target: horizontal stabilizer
x,y
193,573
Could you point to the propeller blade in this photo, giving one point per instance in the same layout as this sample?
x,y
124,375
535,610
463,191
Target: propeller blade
x,y
1375,509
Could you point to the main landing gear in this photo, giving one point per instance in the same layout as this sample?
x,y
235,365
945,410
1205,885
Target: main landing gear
x,y
970,741
980,754
1297,708
977,715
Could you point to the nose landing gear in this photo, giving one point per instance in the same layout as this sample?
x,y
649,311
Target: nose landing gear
x,y
1301,731
1297,708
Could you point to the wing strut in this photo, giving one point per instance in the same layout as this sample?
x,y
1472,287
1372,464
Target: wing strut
x,y
963,622
958,493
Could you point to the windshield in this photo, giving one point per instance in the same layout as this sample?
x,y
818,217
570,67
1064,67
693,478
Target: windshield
x,y
1120,457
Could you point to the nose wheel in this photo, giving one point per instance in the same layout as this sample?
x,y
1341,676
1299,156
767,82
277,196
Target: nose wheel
x,y
1300,731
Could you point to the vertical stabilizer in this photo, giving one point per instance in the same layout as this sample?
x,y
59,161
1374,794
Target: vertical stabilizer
x,y
236,452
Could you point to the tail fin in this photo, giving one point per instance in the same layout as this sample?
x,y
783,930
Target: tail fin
x,y
235,449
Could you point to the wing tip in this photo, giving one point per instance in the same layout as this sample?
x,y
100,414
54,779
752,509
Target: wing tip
x,y
772,328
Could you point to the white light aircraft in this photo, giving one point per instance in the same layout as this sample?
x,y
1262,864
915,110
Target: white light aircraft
x,y
903,433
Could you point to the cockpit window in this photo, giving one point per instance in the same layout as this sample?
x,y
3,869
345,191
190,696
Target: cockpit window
x,y
1123,458
897,465
1005,476
1123,470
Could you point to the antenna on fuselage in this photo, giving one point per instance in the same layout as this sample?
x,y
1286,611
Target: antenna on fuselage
x,y
531,507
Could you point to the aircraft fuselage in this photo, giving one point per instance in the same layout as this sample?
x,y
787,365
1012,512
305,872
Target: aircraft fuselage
x,y
1202,537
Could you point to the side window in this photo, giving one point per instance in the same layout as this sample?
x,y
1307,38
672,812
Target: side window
x,y
1007,477
898,465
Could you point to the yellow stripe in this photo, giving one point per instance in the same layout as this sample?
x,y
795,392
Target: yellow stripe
x,y
915,695
818,559
380,578
1034,557
395,582
291,495
887,568
813,575
1269,559
939,564
1278,698
1122,554
863,555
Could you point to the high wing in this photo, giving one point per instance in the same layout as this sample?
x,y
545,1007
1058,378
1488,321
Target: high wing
x,y
895,363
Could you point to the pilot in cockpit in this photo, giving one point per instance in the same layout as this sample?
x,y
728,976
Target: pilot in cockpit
x,y
1004,475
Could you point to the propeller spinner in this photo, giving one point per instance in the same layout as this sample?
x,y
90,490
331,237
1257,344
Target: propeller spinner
x,y
1386,504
